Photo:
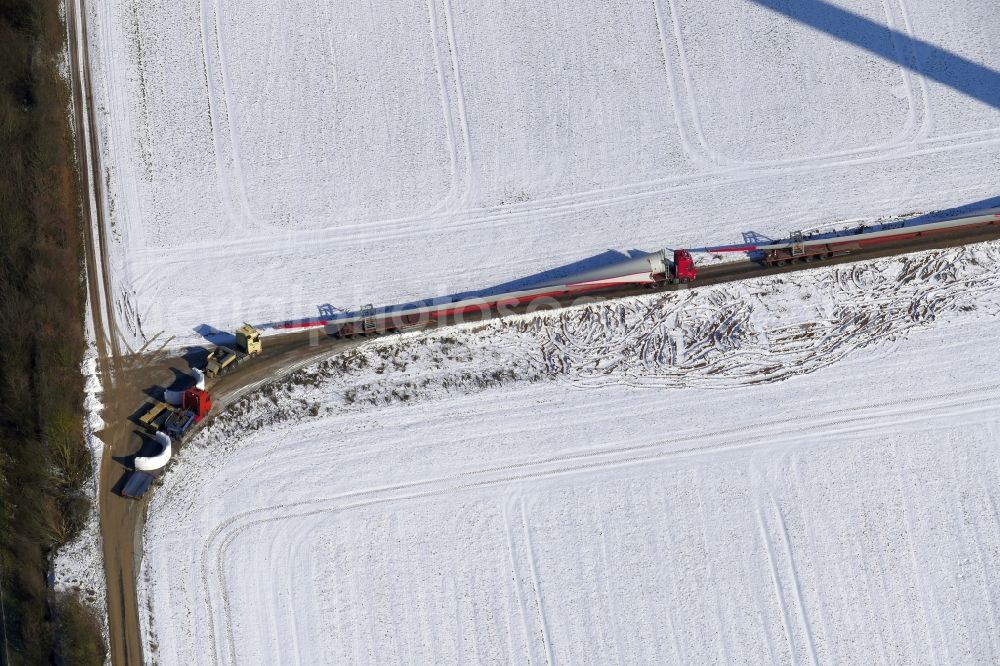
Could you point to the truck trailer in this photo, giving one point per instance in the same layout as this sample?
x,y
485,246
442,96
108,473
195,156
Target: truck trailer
x,y
223,360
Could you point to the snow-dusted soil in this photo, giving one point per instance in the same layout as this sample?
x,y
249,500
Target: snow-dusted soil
x,y
797,469
262,158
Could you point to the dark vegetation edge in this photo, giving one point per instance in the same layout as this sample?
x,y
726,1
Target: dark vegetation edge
x,y
44,461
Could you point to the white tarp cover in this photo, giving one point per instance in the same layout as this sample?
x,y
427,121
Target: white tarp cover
x,y
147,464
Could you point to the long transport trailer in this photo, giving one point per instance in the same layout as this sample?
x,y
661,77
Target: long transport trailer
x,y
655,270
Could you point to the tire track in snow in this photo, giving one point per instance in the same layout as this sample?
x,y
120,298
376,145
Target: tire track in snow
x,y
995,634
703,153
232,121
294,547
988,599
831,646
469,194
227,609
927,124
214,119
921,584
726,654
779,595
668,557
607,564
506,507
794,580
994,436
536,584
919,122
449,122
697,155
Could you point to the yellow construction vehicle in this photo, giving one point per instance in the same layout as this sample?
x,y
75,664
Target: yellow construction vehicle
x,y
153,417
225,359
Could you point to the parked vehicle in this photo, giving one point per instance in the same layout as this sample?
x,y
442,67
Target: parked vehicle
x,y
137,485
223,360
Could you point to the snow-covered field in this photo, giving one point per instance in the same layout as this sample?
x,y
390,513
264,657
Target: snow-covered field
x,y
797,469
263,158
787,470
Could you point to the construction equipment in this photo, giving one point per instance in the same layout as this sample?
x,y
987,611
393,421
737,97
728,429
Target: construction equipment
x,y
176,421
156,415
225,359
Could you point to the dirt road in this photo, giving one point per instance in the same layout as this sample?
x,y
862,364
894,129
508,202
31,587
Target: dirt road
x,y
122,610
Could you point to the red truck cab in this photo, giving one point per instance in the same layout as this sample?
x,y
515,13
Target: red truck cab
x,y
197,402
684,270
